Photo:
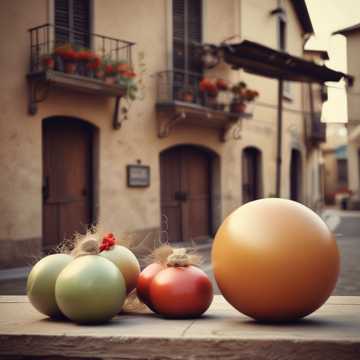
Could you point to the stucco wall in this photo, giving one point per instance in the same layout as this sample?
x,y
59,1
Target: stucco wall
x,y
353,49
147,23
20,150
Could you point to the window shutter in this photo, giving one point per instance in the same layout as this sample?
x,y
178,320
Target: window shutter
x,y
194,21
194,25
61,21
74,15
187,33
81,22
179,34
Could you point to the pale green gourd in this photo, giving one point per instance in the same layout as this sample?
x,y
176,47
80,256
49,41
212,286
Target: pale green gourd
x,y
41,283
126,262
91,289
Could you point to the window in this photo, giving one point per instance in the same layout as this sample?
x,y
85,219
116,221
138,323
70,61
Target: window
x,y
282,44
295,175
72,22
282,33
251,174
187,34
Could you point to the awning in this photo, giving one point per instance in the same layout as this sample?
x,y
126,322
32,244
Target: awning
x,y
262,60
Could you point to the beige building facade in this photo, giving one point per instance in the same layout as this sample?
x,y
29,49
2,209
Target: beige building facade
x,y
352,35
220,170
336,163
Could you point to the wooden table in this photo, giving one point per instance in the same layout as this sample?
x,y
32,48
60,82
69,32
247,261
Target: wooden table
x,y
333,332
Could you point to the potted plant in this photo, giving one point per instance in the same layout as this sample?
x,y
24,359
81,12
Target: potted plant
x,y
110,72
186,94
66,56
85,57
222,85
122,67
95,67
47,62
126,79
242,95
210,91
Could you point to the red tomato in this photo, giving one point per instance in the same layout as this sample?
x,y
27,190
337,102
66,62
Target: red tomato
x,y
144,280
181,292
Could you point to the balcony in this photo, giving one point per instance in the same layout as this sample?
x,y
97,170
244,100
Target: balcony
x,y
316,130
183,99
105,68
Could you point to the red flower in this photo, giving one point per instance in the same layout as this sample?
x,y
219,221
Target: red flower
x,y
205,85
82,55
221,84
129,74
48,61
108,242
109,69
69,54
95,63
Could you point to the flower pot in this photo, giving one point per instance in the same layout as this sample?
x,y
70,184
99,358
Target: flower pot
x,y
221,85
211,101
187,97
237,107
48,64
99,74
110,80
70,67
83,68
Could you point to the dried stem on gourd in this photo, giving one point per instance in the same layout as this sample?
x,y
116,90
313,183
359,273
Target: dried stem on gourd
x,y
169,256
86,245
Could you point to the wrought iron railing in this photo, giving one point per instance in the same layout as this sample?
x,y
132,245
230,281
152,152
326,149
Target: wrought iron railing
x,y
105,57
181,86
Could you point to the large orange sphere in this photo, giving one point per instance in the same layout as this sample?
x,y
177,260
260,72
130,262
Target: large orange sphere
x,y
275,260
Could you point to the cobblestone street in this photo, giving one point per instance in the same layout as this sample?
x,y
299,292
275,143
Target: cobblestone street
x,y
348,239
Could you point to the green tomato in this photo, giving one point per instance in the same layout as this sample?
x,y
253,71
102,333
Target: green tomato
x,y
126,262
90,289
41,283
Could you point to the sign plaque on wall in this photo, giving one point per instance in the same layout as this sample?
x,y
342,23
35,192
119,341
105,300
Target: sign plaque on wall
x,y
138,175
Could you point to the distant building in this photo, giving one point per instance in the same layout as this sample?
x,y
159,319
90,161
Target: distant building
x,y
335,156
352,35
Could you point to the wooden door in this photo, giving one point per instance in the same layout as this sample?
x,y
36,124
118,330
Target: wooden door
x,y
295,175
251,174
185,193
67,179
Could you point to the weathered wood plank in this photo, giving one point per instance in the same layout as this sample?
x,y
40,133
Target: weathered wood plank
x,y
333,332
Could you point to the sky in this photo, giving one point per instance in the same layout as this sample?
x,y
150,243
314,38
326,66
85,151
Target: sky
x,y
328,16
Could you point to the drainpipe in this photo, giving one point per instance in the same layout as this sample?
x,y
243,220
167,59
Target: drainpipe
x,y
279,137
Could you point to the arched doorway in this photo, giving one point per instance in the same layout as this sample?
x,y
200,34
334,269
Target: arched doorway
x,y
295,175
67,178
185,180
251,174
